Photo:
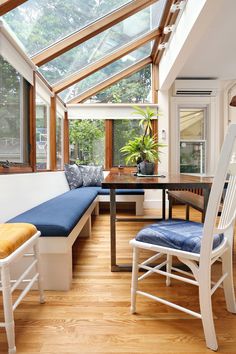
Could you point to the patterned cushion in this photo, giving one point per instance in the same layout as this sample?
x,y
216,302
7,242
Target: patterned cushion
x,y
178,234
92,175
73,176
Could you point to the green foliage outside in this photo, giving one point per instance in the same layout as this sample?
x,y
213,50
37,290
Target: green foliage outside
x,y
87,140
134,89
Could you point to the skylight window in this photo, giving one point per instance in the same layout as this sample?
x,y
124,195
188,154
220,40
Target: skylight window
x,y
38,24
104,43
106,72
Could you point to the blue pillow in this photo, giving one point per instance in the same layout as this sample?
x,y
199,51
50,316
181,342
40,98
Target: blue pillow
x,y
92,175
73,176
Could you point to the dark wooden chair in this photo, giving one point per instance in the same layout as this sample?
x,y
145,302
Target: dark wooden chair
x,y
189,198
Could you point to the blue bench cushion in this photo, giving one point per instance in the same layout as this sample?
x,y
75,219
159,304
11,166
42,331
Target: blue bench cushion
x,y
102,191
58,216
178,234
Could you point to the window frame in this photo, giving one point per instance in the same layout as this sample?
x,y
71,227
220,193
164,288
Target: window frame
x,y
48,162
27,116
109,146
203,141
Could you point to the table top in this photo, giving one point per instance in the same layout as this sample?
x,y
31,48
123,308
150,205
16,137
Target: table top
x,y
170,181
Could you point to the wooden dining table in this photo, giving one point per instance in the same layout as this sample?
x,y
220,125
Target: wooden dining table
x,y
164,182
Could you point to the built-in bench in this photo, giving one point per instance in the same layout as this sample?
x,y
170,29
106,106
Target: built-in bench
x,y
45,200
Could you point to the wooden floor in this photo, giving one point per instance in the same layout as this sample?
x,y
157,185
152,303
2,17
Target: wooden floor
x,y
94,317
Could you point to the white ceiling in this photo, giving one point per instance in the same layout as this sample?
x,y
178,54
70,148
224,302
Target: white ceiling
x,y
214,56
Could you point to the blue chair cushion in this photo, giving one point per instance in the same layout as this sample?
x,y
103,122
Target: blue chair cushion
x,y
58,216
179,234
102,191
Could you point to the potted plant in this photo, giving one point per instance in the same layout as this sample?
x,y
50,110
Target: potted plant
x,y
143,150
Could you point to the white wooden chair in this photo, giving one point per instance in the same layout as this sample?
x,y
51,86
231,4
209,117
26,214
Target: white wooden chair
x,y
16,241
214,242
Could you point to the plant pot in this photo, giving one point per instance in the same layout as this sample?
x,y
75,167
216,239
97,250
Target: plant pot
x,y
146,168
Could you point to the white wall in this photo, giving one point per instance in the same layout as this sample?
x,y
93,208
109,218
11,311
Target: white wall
x,y
153,197
20,192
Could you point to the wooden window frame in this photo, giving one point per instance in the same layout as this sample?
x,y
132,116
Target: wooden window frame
x,y
31,166
109,147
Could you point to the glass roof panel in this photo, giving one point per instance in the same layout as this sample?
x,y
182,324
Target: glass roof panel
x,y
40,23
106,72
104,43
134,89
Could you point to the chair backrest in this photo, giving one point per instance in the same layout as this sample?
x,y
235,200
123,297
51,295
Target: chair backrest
x,y
226,167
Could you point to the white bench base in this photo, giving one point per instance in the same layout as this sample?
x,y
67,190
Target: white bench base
x,y
56,252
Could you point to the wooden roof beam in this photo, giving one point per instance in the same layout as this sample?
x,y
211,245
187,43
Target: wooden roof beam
x,y
168,18
8,5
90,31
108,59
111,81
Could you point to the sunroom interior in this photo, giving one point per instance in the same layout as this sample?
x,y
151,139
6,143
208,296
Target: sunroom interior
x,y
73,76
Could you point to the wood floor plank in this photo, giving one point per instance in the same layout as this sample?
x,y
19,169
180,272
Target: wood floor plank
x,y
94,316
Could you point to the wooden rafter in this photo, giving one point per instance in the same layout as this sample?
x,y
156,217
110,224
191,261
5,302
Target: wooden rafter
x,y
108,59
111,80
167,19
90,31
8,5
155,83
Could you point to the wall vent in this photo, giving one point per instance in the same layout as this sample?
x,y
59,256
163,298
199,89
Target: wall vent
x,y
205,88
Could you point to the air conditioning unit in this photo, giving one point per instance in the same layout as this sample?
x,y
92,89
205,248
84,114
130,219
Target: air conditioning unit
x,y
204,88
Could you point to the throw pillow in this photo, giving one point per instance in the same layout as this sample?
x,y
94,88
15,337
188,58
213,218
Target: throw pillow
x,y
92,175
73,176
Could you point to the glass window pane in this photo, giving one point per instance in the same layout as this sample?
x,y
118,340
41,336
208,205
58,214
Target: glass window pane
x,y
87,141
99,46
14,115
192,157
59,141
123,131
192,124
38,24
42,136
193,139
133,89
106,72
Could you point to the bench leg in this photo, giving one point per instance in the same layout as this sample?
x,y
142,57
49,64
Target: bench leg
x,y
87,229
57,271
139,207
96,210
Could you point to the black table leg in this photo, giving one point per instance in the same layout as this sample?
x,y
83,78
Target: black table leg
x,y
163,204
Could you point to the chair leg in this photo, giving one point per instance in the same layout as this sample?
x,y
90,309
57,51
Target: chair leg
x,y
8,309
206,311
168,269
134,282
38,270
187,212
228,285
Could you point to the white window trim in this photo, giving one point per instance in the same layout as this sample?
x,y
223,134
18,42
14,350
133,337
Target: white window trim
x,y
213,135
47,103
105,111
14,54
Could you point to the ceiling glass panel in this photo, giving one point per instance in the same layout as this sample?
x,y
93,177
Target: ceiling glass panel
x,y
133,89
106,72
40,23
104,43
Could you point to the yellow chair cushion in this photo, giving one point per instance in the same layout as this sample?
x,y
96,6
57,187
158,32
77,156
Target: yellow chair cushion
x,y
13,236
